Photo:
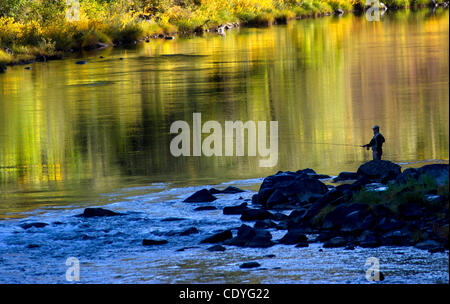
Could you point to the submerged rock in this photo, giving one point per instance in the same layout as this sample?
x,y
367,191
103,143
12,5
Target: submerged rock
x,y
216,248
204,208
345,176
227,190
146,242
200,197
335,242
94,212
81,62
218,237
251,237
35,225
189,231
235,209
293,237
249,265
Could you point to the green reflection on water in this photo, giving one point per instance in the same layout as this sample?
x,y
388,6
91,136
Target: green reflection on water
x,y
68,132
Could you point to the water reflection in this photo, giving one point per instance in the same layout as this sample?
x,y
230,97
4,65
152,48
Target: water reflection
x,y
76,130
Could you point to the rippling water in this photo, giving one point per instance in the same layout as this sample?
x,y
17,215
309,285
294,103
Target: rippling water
x,y
98,134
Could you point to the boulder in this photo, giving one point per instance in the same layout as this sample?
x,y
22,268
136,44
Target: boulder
x,y
250,237
256,214
335,242
153,242
263,224
428,245
189,231
205,208
249,265
368,239
440,172
379,170
218,237
232,190
293,237
216,248
338,216
33,225
200,197
94,212
289,188
343,176
235,209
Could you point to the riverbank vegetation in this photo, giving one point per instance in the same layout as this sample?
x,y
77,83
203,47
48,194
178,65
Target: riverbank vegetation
x,y
38,29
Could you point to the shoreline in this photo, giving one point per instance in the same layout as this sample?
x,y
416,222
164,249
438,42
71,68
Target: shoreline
x,y
48,52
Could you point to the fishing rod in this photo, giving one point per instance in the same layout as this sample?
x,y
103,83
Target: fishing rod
x,y
331,144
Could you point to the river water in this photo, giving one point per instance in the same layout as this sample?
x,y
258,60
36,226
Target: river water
x,y
73,136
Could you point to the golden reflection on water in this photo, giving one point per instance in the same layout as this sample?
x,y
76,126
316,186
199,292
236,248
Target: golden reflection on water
x,y
103,125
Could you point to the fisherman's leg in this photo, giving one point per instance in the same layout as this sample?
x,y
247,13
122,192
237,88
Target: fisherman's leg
x,y
376,155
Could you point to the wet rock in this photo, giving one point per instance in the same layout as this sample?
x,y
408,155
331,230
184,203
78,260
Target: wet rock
x,y
290,188
428,245
31,246
332,197
335,242
302,245
146,242
379,170
397,238
3,68
216,248
439,172
339,11
319,176
249,265
200,197
218,237
369,240
169,37
337,217
293,237
343,176
81,62
97,212
264,224
172,219
349,247
27,68
250,237
389,224
235,209
256,214
189,231
227,190
184,248
204,208
33,225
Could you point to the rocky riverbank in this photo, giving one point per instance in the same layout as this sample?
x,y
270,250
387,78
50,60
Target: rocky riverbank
x,y
379,205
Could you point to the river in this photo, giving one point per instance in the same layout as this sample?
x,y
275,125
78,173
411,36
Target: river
x,y
73,136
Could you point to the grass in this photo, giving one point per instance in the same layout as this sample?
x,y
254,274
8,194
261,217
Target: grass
x,y
412,191
30,28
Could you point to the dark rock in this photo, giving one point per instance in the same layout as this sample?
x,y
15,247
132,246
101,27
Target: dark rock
x,y
345,176
218,237
235,209
306,171
169,37
407,174
270,256
379,170
35,225
389,224
232,190
263,224
381,211
189,231
349,247
3,68
94,212
335,242
290,188
357,221
428,245
153,242
319,176
339,11
302,245
250,237
27,68
368,240
330,198
81,62
440,172
410,211
31,246
397,238
216,248
337,217
293,237
249,265
200,196
172,219
256,214
203,208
